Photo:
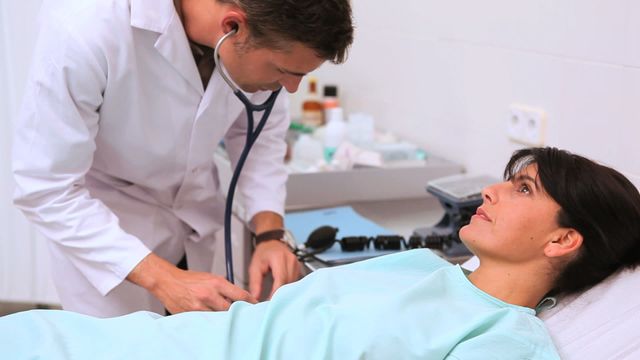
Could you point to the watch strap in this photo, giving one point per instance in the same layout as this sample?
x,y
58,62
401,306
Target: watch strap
x,y
277,234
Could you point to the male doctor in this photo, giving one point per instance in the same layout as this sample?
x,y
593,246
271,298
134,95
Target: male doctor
x,y
113,148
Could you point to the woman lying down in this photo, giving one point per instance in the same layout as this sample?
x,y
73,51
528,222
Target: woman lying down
x,y
559,224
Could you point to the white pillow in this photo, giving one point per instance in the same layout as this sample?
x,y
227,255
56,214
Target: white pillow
x,y
601,323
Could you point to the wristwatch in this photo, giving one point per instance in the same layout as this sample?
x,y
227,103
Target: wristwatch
x,y
276,234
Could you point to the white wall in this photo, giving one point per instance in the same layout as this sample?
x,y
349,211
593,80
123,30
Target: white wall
x,y
24,264
443,74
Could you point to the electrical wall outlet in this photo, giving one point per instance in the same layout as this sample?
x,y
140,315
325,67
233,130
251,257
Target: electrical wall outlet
x,y
526,125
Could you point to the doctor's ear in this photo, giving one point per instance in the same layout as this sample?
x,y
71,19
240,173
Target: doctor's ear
x,y
234,20
564,242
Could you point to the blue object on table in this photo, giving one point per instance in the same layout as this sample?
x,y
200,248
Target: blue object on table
x,y
349,223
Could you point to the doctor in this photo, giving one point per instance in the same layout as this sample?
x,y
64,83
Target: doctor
x,y
113,148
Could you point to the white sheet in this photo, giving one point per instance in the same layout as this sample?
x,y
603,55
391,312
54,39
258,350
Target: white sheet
x,y
602,323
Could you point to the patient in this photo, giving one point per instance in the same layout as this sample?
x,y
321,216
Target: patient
x,y
559,224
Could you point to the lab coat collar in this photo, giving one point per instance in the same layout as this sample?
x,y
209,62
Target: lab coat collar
x,y
152,15
160,16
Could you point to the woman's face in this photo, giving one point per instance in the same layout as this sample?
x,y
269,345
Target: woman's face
x,y
515,222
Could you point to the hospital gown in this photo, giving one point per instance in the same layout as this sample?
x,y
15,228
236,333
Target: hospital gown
x,y
411,305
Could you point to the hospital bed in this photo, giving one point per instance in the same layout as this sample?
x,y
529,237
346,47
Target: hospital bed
x,y
602,323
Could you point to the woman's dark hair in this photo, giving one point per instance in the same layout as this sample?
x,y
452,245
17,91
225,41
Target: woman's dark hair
x,y
598,202
323,25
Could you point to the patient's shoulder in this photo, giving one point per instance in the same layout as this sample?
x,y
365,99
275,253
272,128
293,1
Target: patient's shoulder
x,y
417,259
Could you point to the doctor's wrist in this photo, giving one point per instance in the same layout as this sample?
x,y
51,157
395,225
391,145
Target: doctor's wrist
x,y
283,236
270,235
149,272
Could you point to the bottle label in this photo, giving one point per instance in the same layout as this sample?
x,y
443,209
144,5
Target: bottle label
x,y
312,118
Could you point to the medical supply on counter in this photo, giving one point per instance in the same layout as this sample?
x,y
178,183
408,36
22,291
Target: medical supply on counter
x,y
252,136
334,132
349,144
300,128
396,151
329,99
293,134
307,152
351,224
361,129
349,156
325,237
312,106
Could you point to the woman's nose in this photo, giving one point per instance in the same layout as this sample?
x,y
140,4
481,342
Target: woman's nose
x,y
490,194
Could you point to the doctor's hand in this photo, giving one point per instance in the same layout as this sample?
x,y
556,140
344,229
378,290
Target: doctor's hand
x,y
181,290
274,256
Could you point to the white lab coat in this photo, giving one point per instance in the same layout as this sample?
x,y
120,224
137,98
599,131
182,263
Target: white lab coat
x,y
114,146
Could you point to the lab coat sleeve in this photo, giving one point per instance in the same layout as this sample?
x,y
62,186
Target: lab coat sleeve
x,y
54,144
263,179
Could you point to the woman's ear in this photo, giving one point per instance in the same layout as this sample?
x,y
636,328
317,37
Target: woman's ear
x,y
564,242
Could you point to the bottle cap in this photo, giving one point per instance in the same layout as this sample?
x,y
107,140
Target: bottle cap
x,y
313,85
330,91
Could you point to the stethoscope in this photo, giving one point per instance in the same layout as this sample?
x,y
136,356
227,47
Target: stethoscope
x,y
252,135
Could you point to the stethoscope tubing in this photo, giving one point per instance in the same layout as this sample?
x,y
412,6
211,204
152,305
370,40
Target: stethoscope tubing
x,y
252,136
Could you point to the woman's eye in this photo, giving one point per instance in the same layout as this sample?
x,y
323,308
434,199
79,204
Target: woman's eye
x,y
524,188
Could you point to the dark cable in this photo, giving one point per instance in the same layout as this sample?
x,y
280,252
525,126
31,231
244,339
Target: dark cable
x,y
252,135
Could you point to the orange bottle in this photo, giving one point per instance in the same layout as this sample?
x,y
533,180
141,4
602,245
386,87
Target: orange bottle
x,y
312,107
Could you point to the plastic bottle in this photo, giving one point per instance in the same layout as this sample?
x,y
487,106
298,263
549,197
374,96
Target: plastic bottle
x,y
312,107
360,129
334,132
307,150
329,99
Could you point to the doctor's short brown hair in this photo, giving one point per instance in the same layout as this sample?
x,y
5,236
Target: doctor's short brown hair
x,y
325,26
